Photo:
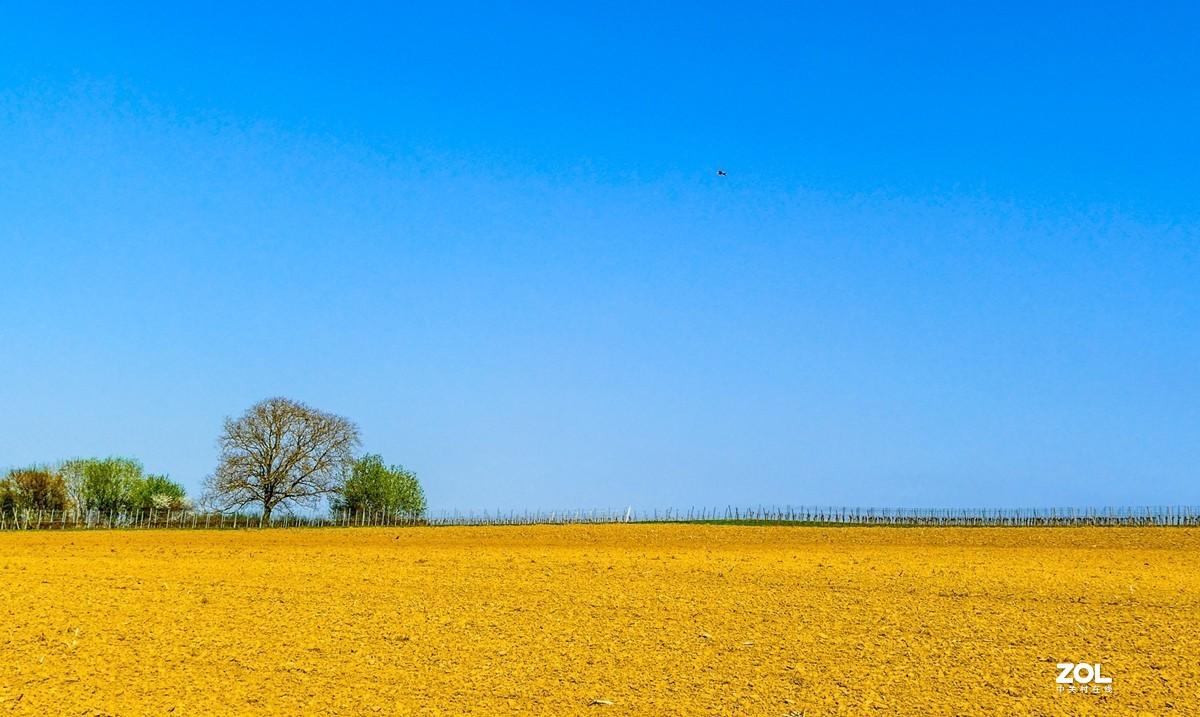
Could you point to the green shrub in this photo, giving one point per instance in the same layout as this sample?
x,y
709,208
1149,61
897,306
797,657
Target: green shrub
x,y
157,492
374,486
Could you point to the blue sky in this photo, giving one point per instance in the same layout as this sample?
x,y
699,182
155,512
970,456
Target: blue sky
x,y
955,261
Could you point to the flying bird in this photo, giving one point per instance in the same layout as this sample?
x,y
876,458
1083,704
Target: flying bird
x,y
721,173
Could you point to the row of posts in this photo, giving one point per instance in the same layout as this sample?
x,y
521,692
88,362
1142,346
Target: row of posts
x,y
828,516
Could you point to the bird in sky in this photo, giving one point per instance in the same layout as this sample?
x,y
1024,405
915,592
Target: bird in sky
x,y
721,173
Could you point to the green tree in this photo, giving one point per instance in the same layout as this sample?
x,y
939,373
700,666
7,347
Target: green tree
x,y
8,497
108,483
375,486
35,489
154,491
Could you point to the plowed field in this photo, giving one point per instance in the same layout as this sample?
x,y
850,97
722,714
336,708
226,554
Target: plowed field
x,y
599,620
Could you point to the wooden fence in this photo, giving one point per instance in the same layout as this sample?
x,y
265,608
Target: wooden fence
x,y
788,515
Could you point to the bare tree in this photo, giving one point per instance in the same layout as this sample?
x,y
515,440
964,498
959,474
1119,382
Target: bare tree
x,y
280,452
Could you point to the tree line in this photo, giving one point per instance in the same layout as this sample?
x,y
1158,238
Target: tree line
x,y
278,455
111,484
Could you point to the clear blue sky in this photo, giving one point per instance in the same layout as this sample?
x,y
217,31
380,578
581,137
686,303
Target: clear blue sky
x,y
955,261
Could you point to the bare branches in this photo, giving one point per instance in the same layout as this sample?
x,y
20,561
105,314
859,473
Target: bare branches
x,y
280,452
